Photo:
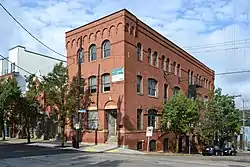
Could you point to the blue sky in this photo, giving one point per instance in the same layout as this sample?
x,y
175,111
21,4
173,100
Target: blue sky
x,y
185,22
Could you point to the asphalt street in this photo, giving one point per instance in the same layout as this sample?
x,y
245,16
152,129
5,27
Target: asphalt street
x,y
21,155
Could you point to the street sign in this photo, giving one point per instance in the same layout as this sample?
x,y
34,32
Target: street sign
x,y
149,131
82,110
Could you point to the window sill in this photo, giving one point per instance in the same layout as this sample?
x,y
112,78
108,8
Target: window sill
x,y
140,94
140,60
92,61
156,97
105,58
106,92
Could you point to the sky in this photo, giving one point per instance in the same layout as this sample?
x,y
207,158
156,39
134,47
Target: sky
x,y
216,32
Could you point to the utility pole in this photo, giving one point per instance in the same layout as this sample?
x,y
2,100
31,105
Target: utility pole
x,y
97,101
79,74
243,126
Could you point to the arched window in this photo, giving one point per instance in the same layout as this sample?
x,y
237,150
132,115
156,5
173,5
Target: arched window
x,y
92,52
199,80
149,56
162,62
176,90
174,68
179,70
152,113
92,84
205,98
139,52
106,49
189,80
152,87
168,67
155,59
81,56
209,85
191,77
105,82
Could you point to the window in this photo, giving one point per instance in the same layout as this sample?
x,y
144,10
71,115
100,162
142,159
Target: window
x,y
155,58
168,67
106,49
179,70
162,62
165,91
12,67
92,84
81,56
174,68
152,87
139,145
189,79
139,84
206,99
151,117
105,83
6,71
92,52
139,119
199,80
209,85
176,90
149,56
92,119
139,52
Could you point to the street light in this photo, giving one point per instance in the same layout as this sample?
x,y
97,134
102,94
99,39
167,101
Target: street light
x,y
191,125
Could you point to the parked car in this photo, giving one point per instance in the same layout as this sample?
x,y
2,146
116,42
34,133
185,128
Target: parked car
x,y
248,148
212,150
229,151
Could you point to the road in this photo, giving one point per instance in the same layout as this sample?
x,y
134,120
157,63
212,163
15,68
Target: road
x,y
21,155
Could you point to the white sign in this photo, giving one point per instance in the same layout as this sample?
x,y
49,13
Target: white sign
x,y
149,131
77,126
118,74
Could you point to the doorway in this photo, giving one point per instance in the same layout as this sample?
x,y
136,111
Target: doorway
x,y
111,120
165,145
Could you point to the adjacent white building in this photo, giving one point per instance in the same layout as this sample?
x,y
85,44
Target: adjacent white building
x,y
21,62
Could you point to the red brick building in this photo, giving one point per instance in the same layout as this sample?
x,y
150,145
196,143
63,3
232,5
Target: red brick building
x,y
139,69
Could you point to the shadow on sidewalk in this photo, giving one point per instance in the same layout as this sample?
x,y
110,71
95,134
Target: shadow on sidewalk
x,y
25,150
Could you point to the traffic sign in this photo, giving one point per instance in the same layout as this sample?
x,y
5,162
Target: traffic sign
x,y
149,131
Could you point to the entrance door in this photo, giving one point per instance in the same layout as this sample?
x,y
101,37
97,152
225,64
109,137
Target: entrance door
x,y
165,144
111,117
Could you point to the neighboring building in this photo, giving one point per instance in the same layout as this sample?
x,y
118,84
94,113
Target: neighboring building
x,y
139,70
19,64
30,61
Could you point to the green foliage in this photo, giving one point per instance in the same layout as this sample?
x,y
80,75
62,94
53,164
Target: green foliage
x,y
9,94
180,111
29,107
61,95
221,119
178,114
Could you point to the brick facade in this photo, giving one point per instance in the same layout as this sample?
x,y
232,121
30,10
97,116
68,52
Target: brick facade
x,y
126,35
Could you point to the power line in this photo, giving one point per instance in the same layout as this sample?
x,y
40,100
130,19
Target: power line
x,y
242,41
30,32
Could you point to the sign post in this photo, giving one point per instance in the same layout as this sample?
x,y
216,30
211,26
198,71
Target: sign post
x,y
149,133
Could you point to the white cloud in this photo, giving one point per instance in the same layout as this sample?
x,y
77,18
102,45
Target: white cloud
x,y
187,23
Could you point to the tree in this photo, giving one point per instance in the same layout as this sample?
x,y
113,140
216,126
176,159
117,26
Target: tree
x,y
220,121
178,113
29,106
9,94
61,95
